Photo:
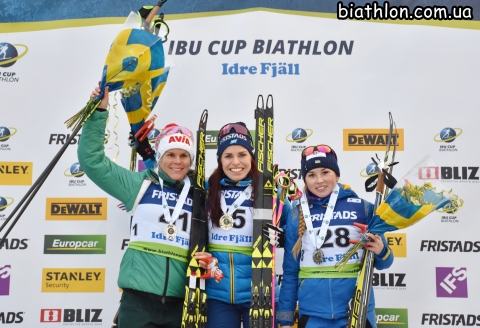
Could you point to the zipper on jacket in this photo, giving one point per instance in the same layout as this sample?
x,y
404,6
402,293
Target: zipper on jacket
x,y
301,282
167,267
331,298
232,279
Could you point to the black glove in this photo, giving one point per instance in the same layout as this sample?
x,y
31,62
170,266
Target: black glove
x,y
276,235
143,147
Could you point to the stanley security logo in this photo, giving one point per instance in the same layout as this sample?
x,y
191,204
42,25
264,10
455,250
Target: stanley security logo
x,y
75,244
371,139
73,280
397,243
76,209
16,173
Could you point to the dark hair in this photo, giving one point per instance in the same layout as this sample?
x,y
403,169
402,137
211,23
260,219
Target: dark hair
x,y
214,210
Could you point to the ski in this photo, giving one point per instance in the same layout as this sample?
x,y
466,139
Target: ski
x,y
358,305
261,299
195,306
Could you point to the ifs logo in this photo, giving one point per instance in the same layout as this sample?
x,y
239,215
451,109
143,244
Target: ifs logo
x,y
5,280
5,134
391,317
75,171
448,135
83,316
452,282
299,135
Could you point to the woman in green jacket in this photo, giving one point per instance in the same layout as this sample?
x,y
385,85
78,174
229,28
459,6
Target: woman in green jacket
x,y
152,271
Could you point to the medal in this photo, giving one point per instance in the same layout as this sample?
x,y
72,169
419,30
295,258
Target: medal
x,y
318,256
170,231
226,222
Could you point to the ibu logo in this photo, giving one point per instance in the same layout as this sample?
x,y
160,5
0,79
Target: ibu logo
x,y
452,282
5,280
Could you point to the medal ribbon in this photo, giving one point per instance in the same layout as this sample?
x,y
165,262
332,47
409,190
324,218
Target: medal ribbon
x,y
318,242
170,219
246,193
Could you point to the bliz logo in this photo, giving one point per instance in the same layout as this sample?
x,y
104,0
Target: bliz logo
x,y
452,282
5,280
449,173
70,315
389,280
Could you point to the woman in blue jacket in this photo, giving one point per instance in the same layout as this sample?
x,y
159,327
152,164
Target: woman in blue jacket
x,y
318,232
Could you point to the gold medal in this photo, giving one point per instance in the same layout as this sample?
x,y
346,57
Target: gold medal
x,y
318,256
226,222
170,231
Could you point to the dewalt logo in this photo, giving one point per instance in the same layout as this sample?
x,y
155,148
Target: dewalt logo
x,y
76,280
397,243
16,173
371,139
76,209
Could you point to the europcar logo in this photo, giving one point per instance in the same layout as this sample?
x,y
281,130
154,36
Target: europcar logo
x,y
80,316
391,317
451,282
5,280
397,243
299,135
448,135
76,209
73,280
371,139
9,55
75,171
5,134
75,244
16,173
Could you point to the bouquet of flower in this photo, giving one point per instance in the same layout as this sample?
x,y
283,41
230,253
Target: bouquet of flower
x,y
416,195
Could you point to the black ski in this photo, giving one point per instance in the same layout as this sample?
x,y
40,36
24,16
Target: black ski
x,y
261,302
195,306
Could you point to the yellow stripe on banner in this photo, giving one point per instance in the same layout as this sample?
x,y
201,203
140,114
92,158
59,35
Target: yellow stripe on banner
x,y
394,219
137,116
68,23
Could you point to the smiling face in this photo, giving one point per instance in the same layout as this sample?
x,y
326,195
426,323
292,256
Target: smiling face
x,y
175,163
236,162
321,181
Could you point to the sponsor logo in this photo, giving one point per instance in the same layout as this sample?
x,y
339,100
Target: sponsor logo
x,y
73,280
234,136
450,319
447,136
75,244
449,246
14,243
5,280
397,243
125,243
391,317
371,139
299,135
369,171
152,135
11,317
76,209
449,173
294,173
78,317
211,138
389,281
180,139
9,56
5,134
16,173
449,219
4,203
59,139
451,282
75,171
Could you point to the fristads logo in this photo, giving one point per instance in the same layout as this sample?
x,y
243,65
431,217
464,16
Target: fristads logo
x,y
211,138
75,171
75,244
389,281
4,203
16,173
73,280
397,318
451,246
371,139
466,174
5,134
9,55
450,319
5,279
59,139
294,173
14,244
447,136
11,317
78,317
76,209
451,282
298,136
397,243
